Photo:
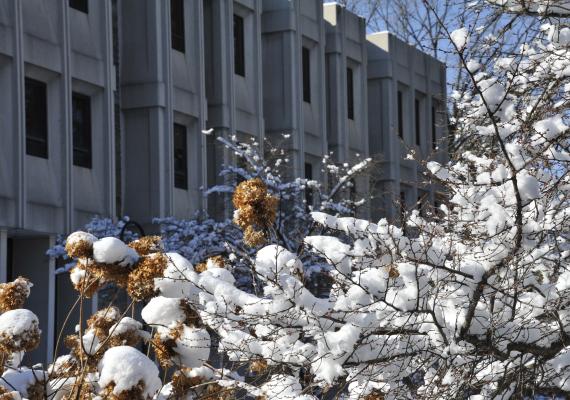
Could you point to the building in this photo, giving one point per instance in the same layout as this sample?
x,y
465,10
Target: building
x,y
104,101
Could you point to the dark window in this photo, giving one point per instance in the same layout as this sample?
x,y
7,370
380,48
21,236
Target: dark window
x,y
306,74
350,92
403,209
418,116
400,115
433,128
180,157
309,191
81,130
36,118
177,25
239,46
81,5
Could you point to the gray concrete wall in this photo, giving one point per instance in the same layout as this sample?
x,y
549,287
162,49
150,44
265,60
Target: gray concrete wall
x,y
140,90
395,66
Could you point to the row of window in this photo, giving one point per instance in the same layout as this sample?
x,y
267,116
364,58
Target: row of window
x,y
306,65
418,111
37,123
37,131
178,43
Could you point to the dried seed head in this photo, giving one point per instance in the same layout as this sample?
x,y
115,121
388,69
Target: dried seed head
x,y
255,210
80,245
137,392
103,320
253,237
258,366
83,281
141,280
13,295
146,245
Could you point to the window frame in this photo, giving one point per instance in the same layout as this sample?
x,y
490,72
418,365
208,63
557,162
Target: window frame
x,y
177,26
239,45
417,120
37,129
433,127
400,111
306,71
180,171
350,93
80,5
87,147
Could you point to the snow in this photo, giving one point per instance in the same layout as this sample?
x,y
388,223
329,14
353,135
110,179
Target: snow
x,y
282,387
126,324
80,236
177,278
20,379
333,250
273,260
459,37
14,323
163,311
110,250
125,366
193,347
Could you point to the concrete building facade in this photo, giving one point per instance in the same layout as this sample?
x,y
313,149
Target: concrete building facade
x,y
103,104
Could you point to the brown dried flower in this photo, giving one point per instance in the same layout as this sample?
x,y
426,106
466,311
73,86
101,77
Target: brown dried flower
x,y
103,320
255,210
80,245
258,366
146,245
215,261
253,237
83,281
141,279
137,392
182,383
375,395
163,346
13,295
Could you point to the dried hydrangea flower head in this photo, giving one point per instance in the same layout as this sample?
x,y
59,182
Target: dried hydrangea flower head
x,y
127,374
13,294
19,331
127,332
80,244
140,284
114,260
84,281
146,245
255,210
212,262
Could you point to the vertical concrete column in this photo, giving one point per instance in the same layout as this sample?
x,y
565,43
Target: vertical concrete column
x,y
66,122
19,112
51,304
3,255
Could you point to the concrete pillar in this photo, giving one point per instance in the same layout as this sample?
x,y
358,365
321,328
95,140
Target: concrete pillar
x,y
3,255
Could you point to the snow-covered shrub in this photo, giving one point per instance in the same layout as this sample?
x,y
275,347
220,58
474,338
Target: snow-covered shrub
x,y
473,305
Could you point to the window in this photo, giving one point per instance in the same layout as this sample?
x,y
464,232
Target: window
x,y
308,191
433,128
180,157
306,56
177,25
400,115
80,5
36,118
81,116
239,46
350,92
418,116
